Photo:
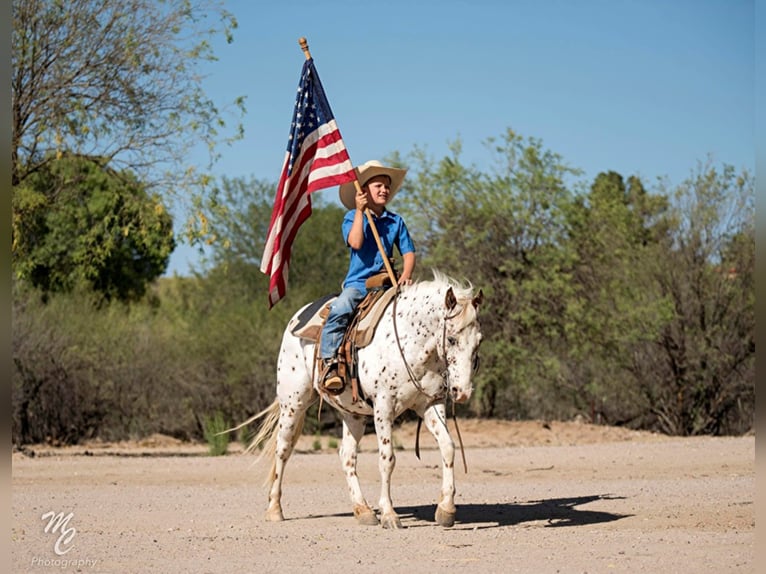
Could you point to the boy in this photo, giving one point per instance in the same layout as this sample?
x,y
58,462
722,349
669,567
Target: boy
x,y
379,184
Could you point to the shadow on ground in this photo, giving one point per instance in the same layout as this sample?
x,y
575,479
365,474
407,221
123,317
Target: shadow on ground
x,y
555,512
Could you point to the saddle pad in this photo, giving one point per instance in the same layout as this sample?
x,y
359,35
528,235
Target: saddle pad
x,y
366,328
308,323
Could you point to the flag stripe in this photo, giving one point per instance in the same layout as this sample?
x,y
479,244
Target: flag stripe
x,y
316,158
288,230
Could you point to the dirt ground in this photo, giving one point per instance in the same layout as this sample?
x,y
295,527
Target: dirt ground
x,y
537,498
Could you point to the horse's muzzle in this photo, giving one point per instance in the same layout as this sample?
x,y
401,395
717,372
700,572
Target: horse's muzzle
x,y
459,395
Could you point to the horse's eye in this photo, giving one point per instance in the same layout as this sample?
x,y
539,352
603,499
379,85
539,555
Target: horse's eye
x,y
452,340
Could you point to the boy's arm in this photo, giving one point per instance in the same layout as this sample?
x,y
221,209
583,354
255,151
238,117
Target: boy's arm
x,y
355,238
408,266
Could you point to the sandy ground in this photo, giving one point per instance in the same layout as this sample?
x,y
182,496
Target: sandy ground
x,y
537,498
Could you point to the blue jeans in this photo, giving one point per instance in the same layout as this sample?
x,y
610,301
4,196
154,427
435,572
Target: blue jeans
x,y
337,320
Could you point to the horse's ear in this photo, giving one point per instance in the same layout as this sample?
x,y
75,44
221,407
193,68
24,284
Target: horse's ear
x,y
478,299
450,300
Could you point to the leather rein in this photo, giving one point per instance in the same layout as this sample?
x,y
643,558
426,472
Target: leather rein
x,y
419,387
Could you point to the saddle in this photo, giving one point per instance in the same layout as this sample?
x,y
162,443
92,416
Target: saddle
x,y
359,333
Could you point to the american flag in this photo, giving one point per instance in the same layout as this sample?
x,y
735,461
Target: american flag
x,y
316,158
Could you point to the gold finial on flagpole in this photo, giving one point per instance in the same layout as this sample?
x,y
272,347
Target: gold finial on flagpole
x,y
304,44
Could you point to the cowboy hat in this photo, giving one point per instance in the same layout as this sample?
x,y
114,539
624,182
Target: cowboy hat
x,y
365,173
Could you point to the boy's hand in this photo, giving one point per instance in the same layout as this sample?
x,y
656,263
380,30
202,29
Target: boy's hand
x,y
361,200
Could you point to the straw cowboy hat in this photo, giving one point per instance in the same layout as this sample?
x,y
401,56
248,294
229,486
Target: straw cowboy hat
x,y
365,173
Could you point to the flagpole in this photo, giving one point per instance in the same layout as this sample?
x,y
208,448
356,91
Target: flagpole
x,y
305,47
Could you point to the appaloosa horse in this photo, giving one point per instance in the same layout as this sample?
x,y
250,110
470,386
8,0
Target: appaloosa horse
x,y
424,349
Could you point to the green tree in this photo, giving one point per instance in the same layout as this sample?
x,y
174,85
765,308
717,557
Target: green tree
x,y
77,223
121,80
503,231
613,236
699,375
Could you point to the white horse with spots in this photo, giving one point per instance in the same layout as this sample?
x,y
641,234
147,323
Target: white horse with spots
x,y
424,350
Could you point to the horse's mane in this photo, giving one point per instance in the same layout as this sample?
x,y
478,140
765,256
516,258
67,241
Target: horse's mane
x,y
463,293
462,290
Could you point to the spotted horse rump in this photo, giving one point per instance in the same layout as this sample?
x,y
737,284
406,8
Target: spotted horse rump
x,y
424,350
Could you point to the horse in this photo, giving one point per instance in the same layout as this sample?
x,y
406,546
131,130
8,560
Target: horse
x,y
424,350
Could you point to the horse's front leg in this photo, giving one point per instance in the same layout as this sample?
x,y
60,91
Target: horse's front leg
x,y
384,419
353,431
436,422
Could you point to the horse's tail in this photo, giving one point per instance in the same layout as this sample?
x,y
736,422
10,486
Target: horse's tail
x,y
267,436
271,410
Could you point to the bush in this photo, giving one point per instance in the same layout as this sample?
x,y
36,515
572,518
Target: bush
x,y
215,436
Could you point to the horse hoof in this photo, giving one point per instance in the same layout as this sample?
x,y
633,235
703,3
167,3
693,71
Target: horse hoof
x,y
391,521
444,518
365,516
274,515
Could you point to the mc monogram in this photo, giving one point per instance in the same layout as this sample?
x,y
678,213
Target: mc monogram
x,y
59,524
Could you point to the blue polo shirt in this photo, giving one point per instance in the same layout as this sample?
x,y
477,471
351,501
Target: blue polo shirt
x,y
367,261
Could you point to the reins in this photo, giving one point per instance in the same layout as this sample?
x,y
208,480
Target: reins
x,y
419,387
411,374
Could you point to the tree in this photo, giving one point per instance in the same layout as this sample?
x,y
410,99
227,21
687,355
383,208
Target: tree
x,y
636,308
503,231
77,223
699,375
613,235
120,80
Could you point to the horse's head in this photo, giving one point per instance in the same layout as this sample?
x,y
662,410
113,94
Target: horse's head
x,y
460,342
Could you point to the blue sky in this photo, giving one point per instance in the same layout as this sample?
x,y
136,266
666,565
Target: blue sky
x,y
641,87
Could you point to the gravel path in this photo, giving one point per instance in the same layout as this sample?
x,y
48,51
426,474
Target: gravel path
x,y
627,503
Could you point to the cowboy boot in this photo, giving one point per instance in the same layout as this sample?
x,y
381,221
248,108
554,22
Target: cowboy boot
x,y
332,381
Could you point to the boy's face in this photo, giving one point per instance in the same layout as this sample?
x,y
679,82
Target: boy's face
x,y
379,189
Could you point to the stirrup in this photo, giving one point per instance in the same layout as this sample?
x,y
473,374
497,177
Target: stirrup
x,y
331,380
333,383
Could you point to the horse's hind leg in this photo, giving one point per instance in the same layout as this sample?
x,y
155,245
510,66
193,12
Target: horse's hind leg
x,y
436,422
353,431
295,395
288,431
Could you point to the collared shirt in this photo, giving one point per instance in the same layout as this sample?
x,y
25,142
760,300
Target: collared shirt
x,y
367,261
